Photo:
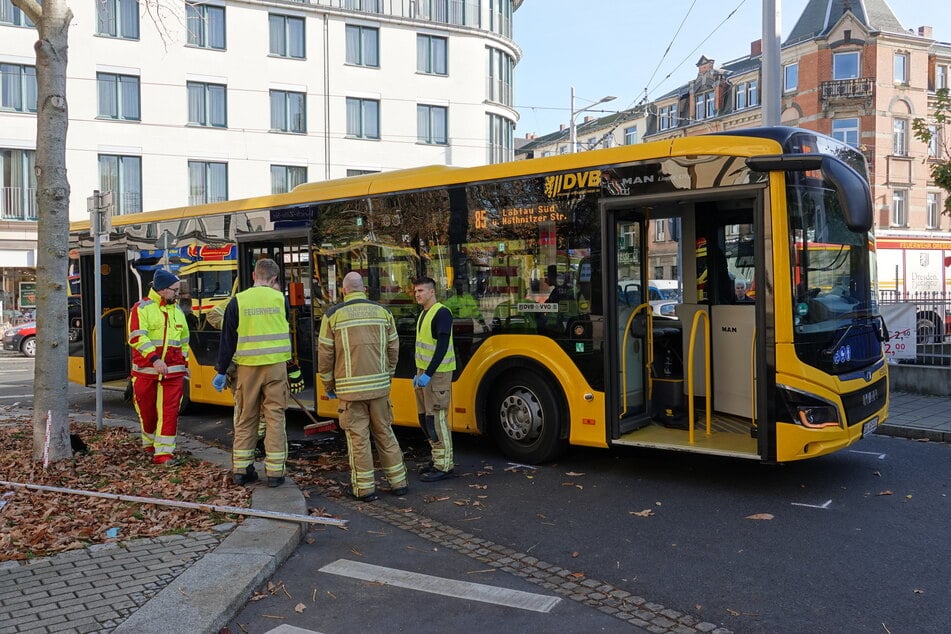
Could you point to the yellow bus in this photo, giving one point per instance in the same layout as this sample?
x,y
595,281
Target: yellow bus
x,y
544,261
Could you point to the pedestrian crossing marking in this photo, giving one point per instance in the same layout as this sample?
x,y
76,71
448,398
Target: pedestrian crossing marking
x,y
441,585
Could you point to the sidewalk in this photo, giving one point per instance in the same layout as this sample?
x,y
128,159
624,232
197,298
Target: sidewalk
x,y
196,583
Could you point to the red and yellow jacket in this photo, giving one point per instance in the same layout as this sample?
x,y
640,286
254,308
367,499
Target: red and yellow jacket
x,y
158,331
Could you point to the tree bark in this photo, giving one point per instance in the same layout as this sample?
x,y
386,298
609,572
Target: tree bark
x,y
52,193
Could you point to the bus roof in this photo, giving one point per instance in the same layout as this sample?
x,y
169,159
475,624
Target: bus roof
x,y
751,142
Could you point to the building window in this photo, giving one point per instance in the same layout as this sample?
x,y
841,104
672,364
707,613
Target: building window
x,y
500,17
465,12
17,88
630,135
207,182
705,106
745,95
934,141
367,6
288,111
206,26
118,96
940,77
11,15
435,10
17,184
900,68
432,124
900,137
122,175
287,36
845,65
501,137
931,209
284,178
207,104
501,69
361,172
432,55
846,130
363,118
790,77
660,233
668,117
118,18
659,272
899,208
363,46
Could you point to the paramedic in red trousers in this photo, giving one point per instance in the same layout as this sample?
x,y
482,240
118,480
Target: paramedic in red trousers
x,y
356,358
158,336
256,335
435,361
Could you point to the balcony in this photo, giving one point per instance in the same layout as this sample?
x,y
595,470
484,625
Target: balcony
x,y
840,89
18,203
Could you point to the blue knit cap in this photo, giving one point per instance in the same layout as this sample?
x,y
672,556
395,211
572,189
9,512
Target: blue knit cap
x,y
163,279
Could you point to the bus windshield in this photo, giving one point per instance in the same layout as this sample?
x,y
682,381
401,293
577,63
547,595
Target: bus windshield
x,y
835,314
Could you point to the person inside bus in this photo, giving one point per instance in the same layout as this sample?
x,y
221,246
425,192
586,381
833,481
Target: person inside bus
x,y
462,303
740,288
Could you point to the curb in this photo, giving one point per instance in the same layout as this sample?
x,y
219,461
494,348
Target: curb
x,y
913,433
211,591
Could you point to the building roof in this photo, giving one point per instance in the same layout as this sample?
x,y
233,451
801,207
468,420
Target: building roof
x,y
819,16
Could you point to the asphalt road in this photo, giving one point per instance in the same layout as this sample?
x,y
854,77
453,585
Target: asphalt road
x,y
853,542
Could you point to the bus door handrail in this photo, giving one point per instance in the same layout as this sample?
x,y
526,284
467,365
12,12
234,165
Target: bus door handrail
x,y
706,375
624,335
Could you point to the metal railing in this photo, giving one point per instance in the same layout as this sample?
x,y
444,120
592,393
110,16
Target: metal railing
x,y
18,203
847,88
932,324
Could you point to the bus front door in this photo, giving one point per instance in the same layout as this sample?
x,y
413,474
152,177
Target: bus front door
x,y
630,325
112,322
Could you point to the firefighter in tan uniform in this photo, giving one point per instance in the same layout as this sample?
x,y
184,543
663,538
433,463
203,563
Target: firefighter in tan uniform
x,y
256,335
356,358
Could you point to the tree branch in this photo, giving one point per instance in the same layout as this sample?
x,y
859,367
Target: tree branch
x,y
31,8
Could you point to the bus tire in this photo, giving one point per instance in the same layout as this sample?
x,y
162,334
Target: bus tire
x,y
186,401
526,421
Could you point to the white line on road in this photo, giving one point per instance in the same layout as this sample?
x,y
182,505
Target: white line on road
x,y
18,396
440,585
814,506
881,456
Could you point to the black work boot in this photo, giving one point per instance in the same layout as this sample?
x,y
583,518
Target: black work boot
x,y
246,478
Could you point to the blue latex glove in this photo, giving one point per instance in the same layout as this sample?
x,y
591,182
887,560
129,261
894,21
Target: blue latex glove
x,y
219,381
422,380
331,395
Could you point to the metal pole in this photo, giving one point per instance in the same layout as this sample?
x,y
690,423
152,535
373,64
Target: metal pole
x,y
237,510
772,86
572,131
97,277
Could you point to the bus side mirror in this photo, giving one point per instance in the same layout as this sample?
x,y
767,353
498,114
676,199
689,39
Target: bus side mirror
x,y
855,197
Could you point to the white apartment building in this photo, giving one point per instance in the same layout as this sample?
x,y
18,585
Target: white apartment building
x,y
226,99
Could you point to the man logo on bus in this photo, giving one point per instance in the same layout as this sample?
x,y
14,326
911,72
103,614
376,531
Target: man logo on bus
x,y
572,183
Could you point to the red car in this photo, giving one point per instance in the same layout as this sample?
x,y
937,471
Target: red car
x,y
21,339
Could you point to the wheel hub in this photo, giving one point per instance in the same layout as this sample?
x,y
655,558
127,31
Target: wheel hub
x,y
521,416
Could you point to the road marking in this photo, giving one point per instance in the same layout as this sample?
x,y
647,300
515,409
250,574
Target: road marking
x,y
440,585
881,456
290,629
814,506
18,396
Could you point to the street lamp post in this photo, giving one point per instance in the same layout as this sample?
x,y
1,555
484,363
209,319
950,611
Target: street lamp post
x,y
573,130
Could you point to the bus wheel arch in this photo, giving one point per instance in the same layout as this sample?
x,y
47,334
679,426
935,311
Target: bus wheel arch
x,y
524,412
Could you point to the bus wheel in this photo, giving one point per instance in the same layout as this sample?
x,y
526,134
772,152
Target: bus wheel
x,y
186,402
525,419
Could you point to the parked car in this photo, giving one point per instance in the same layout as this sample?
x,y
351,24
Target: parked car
x,y
21,339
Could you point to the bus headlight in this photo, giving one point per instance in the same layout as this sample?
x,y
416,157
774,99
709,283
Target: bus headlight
x,y
808,410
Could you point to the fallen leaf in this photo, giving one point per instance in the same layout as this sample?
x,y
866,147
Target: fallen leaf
x,y
577,575
644,513
885,492
574,555
573,474
877,473
732,612
481,487
760,516
919,591
299,608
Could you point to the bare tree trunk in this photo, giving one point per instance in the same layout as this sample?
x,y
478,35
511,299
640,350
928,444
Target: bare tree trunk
x,y
52,192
